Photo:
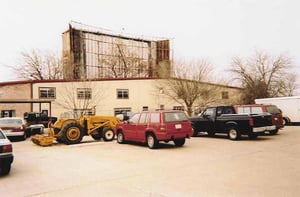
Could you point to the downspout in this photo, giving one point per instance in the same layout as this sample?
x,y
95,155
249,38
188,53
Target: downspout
x,y
31,95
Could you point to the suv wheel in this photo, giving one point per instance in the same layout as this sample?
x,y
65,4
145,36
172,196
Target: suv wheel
x,y
151,141
179,142
120,138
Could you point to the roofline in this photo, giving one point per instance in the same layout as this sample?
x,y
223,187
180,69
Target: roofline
x,y
103,79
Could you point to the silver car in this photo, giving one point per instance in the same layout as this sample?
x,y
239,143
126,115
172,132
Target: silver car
x,y
6,154
14,127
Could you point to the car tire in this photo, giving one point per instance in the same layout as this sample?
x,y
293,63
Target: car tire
x,y
5,169
24,136
120,138
233,133
108,134
273,132
179,142
152,141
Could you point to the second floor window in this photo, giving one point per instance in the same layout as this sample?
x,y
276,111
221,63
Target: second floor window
x,y
84,93
47,93
225,95
122,93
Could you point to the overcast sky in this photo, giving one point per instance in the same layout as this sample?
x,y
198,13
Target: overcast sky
x,y
214,29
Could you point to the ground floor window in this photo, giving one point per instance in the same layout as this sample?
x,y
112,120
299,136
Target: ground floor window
x,y
8,113
126,112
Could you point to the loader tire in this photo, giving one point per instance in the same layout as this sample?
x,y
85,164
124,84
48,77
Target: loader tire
x,y
108,134
72,133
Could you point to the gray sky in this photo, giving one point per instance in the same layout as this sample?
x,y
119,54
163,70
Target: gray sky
x,y
214,29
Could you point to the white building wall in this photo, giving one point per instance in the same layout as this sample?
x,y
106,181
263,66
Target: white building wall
x,y
142,92
104,95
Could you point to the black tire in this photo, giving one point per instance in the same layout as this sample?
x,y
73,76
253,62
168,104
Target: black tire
x,y
210,133
179,142
72,133
96,136
151,141
24,136
252,136
5,169
195,133
120,137
274,132
284,121
108,134
233,133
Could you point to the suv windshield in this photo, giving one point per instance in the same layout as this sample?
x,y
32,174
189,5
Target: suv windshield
x,y
175,116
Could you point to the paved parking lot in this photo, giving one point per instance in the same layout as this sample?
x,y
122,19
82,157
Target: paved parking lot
x,y
267,166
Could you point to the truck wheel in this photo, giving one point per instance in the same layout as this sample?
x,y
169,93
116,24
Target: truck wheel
x,y
233,133
252,136
195,133
210,133
72,133
151,141
179,142
273,132
120,137
5,168
108,134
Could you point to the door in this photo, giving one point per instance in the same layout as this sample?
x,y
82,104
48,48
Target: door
x,y
129,129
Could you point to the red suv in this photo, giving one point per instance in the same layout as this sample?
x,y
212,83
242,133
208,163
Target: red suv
x,y
277,118
153,126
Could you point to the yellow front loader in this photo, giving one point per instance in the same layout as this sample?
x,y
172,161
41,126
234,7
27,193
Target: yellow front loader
x,y
71,131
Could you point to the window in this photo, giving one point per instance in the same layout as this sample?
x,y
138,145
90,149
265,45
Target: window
x,y
122,93
225,95
155,117
181,108
47,93
80,112
143,118
175,117
256,110
84,93
145,108
134,119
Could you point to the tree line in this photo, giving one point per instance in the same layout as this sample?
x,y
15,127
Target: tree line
x,y
260,76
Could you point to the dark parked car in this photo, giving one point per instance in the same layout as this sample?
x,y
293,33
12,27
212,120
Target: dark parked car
x,y
223,119
14,127
153,126
6,154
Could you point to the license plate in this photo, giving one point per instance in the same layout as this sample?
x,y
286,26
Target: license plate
x,y
178,126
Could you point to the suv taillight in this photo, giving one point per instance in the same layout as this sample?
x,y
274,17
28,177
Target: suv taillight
x,y
251,122
7,148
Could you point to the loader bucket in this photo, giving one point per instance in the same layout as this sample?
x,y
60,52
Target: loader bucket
x,y
44,140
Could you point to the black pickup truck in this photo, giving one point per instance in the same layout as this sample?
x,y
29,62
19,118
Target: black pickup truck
x,y
223,119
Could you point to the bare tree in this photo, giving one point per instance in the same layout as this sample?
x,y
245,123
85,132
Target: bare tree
x,y
39,65
188,85
79,98
263,76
